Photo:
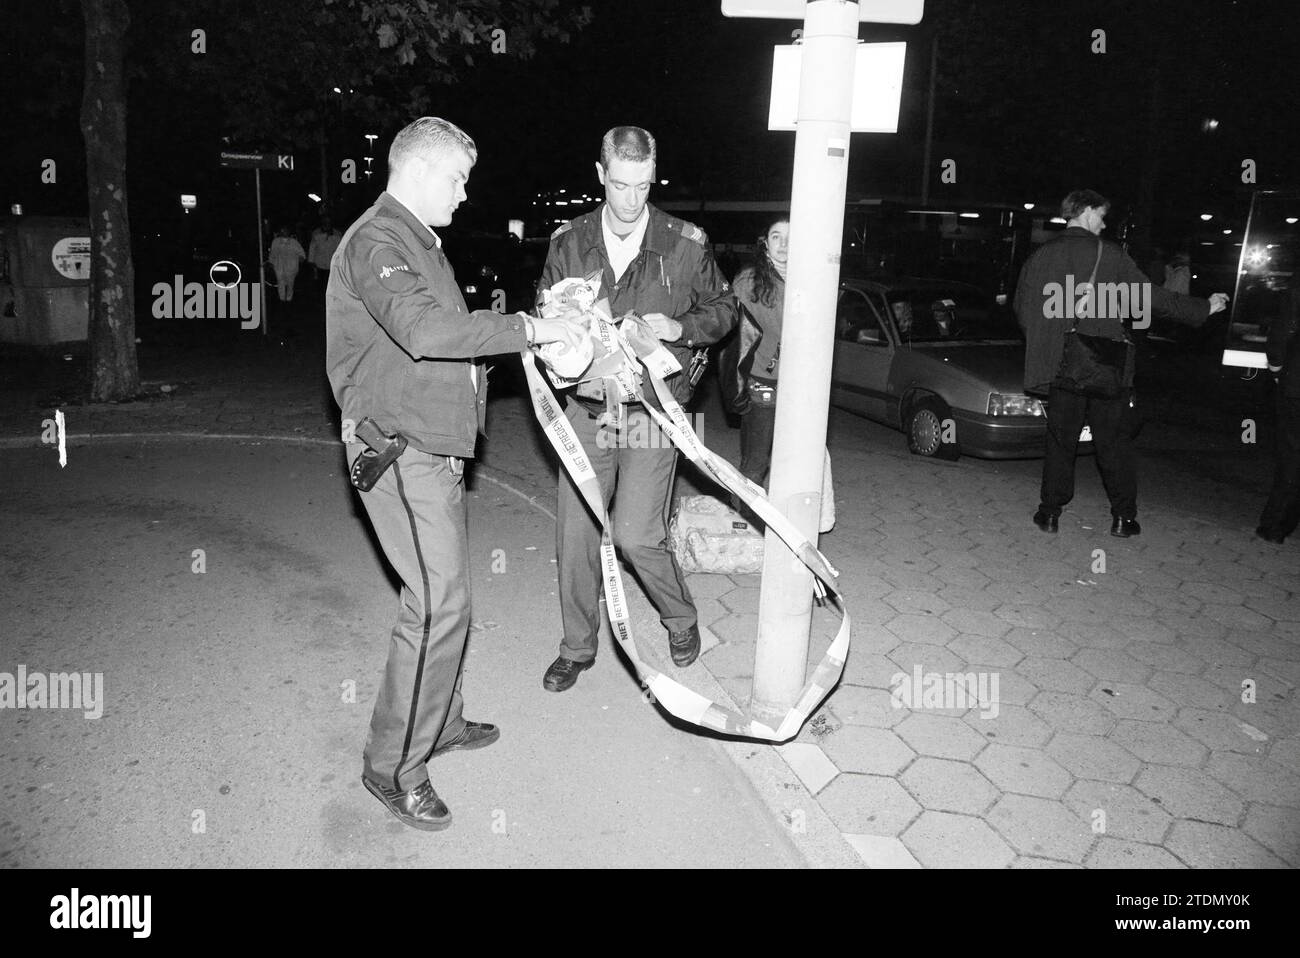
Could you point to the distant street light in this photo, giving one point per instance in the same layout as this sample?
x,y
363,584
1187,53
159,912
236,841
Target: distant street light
x,y
313,197
1291,220
1227,232
1206,217
663,182
1209,125
1029,206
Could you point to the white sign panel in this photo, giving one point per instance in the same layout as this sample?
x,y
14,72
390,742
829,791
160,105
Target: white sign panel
x,y
869,11
71,257
877,87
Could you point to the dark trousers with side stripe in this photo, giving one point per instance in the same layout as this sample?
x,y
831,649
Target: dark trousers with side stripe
x,y
417,510
636,471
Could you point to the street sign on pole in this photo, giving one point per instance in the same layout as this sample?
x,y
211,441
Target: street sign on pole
x,y
245,160
257,162
869,11
877,87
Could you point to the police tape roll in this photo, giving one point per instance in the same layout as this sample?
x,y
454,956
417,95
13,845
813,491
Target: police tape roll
x,y
680,701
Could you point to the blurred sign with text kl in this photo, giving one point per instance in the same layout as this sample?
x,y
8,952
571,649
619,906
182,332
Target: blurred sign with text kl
x,y
869,11
877,87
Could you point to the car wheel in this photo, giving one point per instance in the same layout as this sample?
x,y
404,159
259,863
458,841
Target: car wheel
x,y
928,423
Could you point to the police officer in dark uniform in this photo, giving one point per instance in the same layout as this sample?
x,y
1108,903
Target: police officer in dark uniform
x,y
401,351
660,268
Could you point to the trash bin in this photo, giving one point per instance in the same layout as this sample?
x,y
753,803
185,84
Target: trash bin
x,y
44,280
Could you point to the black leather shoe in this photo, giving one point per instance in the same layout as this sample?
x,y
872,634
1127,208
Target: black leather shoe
x,y
1045,522
1125,528
420,807
1270,536
473,735
563,674
684,646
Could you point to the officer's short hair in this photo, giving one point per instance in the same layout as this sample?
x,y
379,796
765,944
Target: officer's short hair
x,y
627,143
430,137
1080,200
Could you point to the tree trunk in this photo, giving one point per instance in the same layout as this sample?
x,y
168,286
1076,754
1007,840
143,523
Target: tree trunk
x,y
114,371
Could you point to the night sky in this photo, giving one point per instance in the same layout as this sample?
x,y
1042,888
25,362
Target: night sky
x,y
1023,105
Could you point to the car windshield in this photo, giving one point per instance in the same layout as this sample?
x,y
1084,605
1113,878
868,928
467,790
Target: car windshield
x,y
939,314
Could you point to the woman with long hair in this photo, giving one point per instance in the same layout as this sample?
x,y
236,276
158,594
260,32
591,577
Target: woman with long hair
x,y
760,289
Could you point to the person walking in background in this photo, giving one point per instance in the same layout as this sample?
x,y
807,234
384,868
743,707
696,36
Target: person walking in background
x,y
1073,260
286,256
324,241
1281,512
752,358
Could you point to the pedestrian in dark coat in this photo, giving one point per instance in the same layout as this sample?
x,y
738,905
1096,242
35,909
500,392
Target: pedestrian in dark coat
x,y
1050,301
1282,511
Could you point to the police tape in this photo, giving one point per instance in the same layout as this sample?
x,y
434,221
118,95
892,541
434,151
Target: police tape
x,y
680,701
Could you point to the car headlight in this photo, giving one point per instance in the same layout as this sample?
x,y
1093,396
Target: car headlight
x,y
1007,404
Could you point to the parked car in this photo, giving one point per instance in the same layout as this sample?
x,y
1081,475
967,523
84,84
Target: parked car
x,y
940,360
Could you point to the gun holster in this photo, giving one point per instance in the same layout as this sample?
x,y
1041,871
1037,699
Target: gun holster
x,y
381,453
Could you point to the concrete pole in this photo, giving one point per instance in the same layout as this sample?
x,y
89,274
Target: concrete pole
x,y
821,161
261,256
929,122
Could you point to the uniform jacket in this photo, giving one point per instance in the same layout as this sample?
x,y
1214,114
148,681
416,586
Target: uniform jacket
x,y
1284,343
400,343
1073,253
674,274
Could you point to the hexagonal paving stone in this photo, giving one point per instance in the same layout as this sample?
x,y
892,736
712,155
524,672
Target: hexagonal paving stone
x,y
1133,702
916,603
1237,616
1093,757
1153,742
1041,827
975,622
1056,675
982,648
869,669
947,786
1117,853
739,629
924,629
945,840
1215,651
1189,625
708,586
1024,771
1112,665
730,660
1212,592
1275,607
1268,643
913,579
873,751
1066,712
740,600
1193,691
1028,861
1166,656
1170,599
859,706
1093,636
1288,670
1218,730
1189,793
1277,829
1255,779
1006,687
868,805
968,599
1040,643
1128,814
1013,725
940,736
929,658
1203,845
873,613
962,576
1026,616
